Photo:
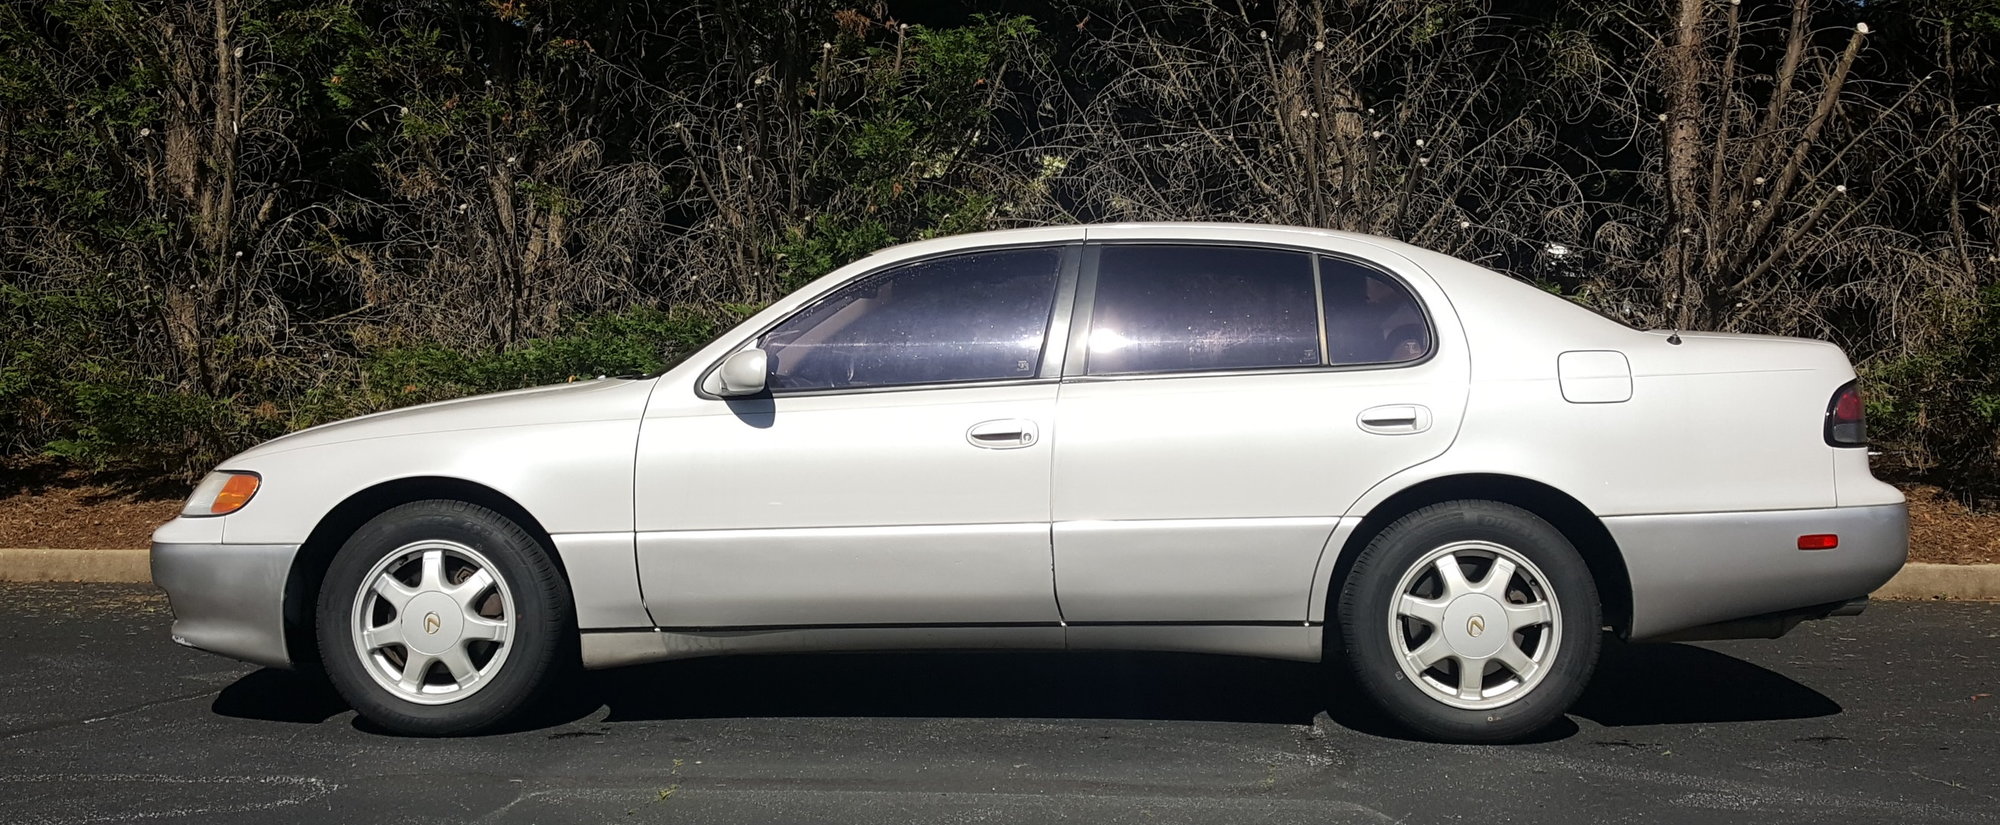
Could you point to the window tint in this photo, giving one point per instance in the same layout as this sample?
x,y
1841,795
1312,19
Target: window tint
x,y
970,317
1370,317
1186,308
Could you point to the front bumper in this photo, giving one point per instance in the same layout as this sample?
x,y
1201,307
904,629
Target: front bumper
x,y
228,598
1690,570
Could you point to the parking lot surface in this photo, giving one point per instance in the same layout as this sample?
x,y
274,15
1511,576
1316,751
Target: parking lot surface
x,y
1888,717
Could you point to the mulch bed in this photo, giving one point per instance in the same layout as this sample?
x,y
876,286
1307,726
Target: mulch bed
x,y
51,509
1943,530
41,507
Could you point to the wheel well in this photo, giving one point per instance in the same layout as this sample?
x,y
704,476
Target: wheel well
x,y
1582,528
309,567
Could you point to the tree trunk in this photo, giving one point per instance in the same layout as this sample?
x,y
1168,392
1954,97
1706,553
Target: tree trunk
x,y
1683,163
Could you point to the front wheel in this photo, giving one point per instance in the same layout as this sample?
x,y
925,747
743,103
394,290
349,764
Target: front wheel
x,y
441,618
1471,621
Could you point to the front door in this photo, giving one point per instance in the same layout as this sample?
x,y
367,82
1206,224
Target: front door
x,y
898,473
1231,403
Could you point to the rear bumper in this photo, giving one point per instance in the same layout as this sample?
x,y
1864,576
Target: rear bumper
x,y
228,598
1696,569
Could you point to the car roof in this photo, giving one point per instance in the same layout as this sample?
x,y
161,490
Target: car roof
x,y
1474,289
1164,230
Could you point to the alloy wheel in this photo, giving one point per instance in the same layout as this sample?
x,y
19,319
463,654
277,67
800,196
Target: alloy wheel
x,y
1473,624
433,622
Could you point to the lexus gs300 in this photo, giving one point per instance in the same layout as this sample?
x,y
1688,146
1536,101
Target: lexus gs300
x,y
1244,440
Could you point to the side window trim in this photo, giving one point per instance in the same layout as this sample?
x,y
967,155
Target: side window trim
x,y
1319,308
1077,362
1058,339
1060,310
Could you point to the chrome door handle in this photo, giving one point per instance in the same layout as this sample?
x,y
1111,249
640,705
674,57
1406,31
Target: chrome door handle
x,y
1003,434
1395,419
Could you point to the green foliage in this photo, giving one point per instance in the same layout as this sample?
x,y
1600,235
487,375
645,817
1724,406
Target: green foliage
x,y
808,252
1436,18
372,66
1940,408
99,414
130,422
69,389
637,341
1979,17
901,168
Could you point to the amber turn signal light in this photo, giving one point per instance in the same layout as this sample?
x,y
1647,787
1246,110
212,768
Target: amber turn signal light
x,y
221,493
236,492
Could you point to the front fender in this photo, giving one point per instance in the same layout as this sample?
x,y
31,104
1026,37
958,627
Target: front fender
x,y
573,477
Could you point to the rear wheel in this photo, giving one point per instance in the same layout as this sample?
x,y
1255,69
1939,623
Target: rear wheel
x,y
442,618
1470,621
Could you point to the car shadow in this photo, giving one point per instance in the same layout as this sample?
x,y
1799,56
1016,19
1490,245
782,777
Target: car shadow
x,y
1635,685
1681,684
279,696
978,685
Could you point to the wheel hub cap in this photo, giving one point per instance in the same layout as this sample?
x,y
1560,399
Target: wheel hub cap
x,y
432,623
1466,621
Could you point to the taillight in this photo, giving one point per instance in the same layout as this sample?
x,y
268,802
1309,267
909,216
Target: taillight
x,y
1844,427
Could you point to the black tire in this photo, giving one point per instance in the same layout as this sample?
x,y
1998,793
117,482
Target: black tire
x,y
1370,649
540,652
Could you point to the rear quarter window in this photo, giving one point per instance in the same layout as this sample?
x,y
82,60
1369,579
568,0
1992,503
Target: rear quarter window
x,y
1371,318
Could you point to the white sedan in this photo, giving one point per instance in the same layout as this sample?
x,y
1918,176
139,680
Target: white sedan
x,y
1248,440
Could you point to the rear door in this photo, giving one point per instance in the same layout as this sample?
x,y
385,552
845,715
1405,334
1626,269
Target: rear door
x,y
1221,407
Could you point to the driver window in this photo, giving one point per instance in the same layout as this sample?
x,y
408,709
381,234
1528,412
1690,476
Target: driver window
x,y
975,317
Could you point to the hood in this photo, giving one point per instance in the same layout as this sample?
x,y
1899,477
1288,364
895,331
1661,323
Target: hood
x,y
598,400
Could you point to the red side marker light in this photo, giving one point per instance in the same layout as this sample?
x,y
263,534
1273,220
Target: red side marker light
x,y
1819,541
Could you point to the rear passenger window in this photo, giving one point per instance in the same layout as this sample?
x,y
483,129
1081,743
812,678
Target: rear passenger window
x,y
1196,308
1370,317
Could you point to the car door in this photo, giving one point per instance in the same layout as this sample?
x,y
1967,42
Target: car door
x,y
1221,409
896,474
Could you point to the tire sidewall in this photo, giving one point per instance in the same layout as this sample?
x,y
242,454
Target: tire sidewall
x,y
1369,590
540,617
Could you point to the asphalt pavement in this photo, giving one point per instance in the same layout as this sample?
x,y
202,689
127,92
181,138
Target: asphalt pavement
x,y
1888,717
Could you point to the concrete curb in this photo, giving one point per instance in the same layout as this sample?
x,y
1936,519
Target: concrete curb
x,y
34,565
1974,582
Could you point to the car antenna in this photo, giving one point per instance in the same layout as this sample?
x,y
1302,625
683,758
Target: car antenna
x,y
1674,337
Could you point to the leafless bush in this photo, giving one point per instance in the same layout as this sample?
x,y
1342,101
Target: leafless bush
x,y
1697,168
1395,118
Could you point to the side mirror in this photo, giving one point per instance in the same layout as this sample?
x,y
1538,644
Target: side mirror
x,y
744,373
